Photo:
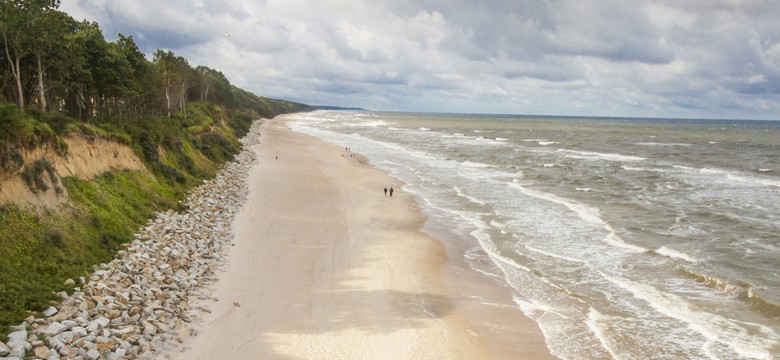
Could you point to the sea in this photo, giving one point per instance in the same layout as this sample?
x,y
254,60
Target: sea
x,y
621,238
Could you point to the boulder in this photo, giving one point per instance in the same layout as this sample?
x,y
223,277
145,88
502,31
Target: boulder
x,y
13,344
17,352
50,311
18,335
93,354
54,329
4,349
42,352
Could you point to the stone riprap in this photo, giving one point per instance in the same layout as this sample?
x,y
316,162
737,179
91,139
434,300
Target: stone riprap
x,y
144,300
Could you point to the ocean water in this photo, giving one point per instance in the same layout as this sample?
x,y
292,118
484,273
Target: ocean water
x,y
621,238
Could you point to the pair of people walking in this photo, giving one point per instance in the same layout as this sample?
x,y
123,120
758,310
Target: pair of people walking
x,y
391,192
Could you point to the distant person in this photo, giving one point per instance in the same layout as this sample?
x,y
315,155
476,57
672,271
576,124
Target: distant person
x,y
385,191
391,192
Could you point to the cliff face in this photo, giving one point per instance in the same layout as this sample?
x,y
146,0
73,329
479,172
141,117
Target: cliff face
x,y
86,159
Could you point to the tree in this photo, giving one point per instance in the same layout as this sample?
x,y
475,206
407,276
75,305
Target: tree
x,y
12,29
89,50
76,76
177,75
203,82
19,20
46,43
140,73
211,85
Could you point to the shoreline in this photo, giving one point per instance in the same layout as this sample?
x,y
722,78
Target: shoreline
x,y
324,266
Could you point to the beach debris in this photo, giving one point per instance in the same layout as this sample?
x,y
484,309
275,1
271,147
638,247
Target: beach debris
x,y
141,303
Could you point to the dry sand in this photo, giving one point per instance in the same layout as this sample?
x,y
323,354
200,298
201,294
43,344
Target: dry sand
x,y
326,267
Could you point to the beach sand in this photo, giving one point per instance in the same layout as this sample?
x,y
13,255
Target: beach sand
x,y
325,266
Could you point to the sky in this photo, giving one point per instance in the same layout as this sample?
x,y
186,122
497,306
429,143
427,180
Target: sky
x,y
665,58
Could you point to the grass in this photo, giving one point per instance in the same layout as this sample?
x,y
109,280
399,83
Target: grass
x,y
40,250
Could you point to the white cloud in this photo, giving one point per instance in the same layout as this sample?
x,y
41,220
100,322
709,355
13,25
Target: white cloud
x,y
648,58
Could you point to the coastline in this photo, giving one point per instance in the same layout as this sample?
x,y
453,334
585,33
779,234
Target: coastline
x,y
325,266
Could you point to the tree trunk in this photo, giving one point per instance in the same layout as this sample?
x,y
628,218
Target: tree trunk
x,y
168,101
19,89
80,105
204,93
183,97
17,73
41,89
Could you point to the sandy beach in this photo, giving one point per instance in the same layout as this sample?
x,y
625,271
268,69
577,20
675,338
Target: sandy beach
x,y
325,266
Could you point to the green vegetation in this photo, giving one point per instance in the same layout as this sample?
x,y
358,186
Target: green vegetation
x,y
61,77
34,176
39,251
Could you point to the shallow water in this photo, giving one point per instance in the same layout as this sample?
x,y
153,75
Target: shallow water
x,y
622,238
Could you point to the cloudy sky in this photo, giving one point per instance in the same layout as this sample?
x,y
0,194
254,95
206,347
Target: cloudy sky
x,y
663,58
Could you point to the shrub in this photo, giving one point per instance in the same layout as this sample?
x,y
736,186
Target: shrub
x,y
11,160
216,147
58,122
148,147
171,173
186,162
16,127
53,239
240,123
33,176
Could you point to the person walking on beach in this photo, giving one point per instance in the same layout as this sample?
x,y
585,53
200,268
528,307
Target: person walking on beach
x,y
385,191
391,192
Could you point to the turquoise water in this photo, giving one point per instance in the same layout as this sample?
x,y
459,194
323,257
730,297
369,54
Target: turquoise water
x,y
621,238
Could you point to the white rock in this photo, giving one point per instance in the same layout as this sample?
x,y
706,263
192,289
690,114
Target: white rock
x,y
93,327
17,352
20,344
56,342
50,311
4,349
93,354
80,331
18,335
98,324
69,324
54,329
103,321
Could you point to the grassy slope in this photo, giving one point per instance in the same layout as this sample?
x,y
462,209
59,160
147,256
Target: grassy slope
x,y
38,251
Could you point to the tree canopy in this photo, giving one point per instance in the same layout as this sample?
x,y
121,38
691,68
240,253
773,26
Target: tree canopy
x,y
54,63
60,77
